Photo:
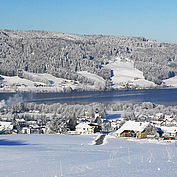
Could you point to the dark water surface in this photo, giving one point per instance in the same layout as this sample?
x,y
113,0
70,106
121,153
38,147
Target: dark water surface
x,y
163,96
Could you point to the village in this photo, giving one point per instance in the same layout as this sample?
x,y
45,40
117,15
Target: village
x,y
159,126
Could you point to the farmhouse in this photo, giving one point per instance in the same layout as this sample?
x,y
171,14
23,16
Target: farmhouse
x,y
134,129
84,128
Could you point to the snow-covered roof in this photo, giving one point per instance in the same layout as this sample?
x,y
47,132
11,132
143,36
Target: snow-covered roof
x,y
169,129
133,126
5,123
83,125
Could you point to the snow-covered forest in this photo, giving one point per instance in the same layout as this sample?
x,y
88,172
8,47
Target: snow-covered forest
x,y
65,55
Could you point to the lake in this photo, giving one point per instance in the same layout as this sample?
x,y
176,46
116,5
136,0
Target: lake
x,y
163,96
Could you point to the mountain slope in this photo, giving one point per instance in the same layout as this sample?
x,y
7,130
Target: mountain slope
x,y
65,55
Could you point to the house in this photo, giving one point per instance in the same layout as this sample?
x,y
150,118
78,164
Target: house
x,y
96,127
134,129
156,123
159,116
26,130
169,133
84,128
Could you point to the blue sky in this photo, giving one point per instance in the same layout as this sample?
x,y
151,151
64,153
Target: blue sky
x,y
155,19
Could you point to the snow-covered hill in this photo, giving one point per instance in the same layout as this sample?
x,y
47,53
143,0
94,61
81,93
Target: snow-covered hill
x,y
17,84
32,82
64,55
172,82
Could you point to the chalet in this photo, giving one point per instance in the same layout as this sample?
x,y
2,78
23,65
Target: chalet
x,y
84,128
134,129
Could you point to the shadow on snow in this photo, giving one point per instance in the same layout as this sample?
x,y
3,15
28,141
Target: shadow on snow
x,y
4,142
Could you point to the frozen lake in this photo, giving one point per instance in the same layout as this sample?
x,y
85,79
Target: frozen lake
x,y
71,156
163,96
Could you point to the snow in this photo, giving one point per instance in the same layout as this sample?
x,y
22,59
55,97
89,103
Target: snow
x,y
16,83
132,125
71,156
83,125
169,129
171,82
92,77
124,72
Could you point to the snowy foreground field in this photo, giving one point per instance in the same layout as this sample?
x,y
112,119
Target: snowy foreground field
x,y
74,156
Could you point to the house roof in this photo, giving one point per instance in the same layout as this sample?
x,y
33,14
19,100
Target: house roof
x,y
133,126
169,129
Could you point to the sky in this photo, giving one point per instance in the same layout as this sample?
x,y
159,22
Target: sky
x,y
154,19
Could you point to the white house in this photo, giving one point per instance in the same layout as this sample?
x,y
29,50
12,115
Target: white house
x,y
84,128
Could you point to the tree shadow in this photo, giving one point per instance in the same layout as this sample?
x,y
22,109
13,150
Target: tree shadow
x,y
4,142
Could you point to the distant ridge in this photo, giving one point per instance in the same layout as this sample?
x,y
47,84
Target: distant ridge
x,y
62,55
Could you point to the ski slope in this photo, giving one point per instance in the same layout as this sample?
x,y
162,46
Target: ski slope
x,y
123,72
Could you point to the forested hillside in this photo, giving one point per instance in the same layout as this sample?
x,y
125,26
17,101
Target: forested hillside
x,y
63,55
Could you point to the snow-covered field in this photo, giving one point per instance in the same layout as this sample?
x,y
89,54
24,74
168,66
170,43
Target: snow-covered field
x,y
25,85
74,156
17,84
124,72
